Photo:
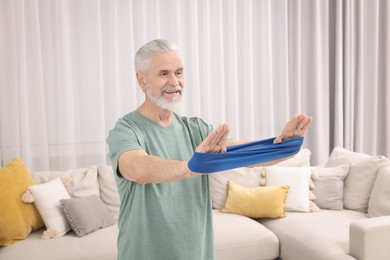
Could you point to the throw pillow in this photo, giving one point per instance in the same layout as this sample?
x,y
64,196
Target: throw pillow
x,y
301,159
47,200
80,182
329,187
86,215
246,177
361,177
17,219
108,189
379,204
340,156
259,202
298,178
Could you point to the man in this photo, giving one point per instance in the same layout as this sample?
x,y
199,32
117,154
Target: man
x,y
165,208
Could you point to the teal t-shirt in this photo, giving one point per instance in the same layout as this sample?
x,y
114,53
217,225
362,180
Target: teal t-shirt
x,y
173,220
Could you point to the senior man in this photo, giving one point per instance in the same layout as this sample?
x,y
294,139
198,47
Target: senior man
x,y
166,210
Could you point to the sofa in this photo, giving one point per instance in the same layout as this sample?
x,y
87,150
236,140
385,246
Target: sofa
x,y
337,211
346,213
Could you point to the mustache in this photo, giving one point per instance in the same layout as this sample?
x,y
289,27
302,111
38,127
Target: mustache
x,y
171,88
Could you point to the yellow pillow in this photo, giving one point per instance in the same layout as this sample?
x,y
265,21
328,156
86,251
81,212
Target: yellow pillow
x,y
17,219
258,202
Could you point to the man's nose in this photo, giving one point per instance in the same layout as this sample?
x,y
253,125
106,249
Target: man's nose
x,y
173,80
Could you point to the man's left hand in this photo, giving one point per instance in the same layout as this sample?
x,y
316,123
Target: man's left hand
x,y
295,127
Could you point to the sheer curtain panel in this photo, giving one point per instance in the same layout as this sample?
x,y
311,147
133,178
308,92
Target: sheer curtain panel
x,y
67,74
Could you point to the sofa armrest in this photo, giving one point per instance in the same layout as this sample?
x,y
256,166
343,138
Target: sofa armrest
x,y
369,238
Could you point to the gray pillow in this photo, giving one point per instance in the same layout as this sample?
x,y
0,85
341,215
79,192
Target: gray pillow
x,y
86,214
361,176
329,188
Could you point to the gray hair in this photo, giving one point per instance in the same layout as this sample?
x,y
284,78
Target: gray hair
x,y
144,54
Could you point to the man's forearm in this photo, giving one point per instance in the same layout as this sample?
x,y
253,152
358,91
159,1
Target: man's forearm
x,y
146,169
269,163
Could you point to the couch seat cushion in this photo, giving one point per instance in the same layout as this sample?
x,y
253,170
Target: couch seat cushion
x,y
240,237
322,235
99,245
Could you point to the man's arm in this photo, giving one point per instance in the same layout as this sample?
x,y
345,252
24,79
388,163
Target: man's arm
x,y
269,163
138,166
142,168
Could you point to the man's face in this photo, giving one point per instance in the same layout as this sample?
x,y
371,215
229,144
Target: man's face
x,y
164,81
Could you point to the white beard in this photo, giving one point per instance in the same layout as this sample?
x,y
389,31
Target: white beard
x,y
161,102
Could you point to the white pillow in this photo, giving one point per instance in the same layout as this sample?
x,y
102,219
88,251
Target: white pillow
x,y
248,177
81,182
379,204
245,177
361,177
298,178
301,159
47,198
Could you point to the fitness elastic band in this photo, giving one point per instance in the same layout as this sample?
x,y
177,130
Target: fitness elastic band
x,y
244,155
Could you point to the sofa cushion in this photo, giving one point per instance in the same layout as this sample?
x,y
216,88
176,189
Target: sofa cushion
x,y
245,177
329,187
17,219
239,237
87,214
298,178
108,189
322,235
301,159
379,204
248,177
361,177
99,245
80,182
258,202
47,198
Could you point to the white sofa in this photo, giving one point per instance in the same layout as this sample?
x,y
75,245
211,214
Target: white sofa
x,y
326,234
358,226
100,244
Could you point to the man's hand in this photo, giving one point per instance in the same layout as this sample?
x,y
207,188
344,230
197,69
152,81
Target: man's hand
x,y
295,127
215,141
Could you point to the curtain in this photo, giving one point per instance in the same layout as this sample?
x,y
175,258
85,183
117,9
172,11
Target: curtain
x,y
67,73
365,77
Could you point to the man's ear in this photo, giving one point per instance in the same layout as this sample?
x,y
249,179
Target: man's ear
x,y
141,80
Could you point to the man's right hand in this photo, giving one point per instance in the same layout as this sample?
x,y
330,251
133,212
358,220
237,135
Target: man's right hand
x,y
215,142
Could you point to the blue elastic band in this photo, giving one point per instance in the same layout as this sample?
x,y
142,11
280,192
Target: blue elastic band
x,y
244,155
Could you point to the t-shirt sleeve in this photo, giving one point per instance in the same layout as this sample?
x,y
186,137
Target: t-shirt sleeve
x,y
121,138
204,128
199,129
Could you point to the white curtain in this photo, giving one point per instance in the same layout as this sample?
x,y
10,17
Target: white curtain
x,y
365,78
67,74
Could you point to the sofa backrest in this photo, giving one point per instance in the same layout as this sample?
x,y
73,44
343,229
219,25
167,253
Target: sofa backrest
x,y
108,189
82,182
